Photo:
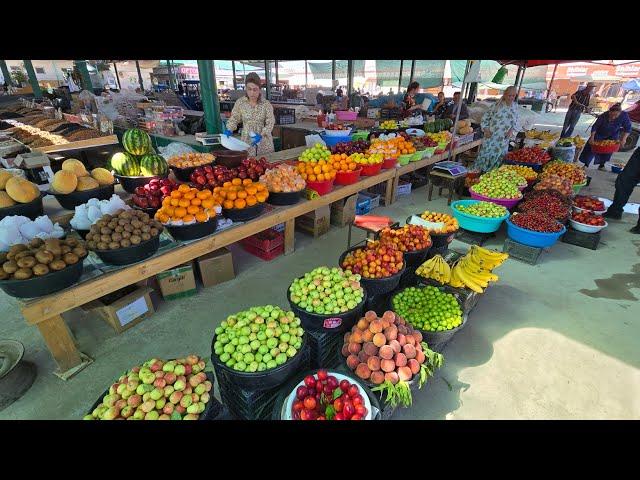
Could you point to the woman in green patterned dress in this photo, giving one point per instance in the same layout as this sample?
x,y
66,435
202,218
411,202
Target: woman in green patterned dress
x,y
498,124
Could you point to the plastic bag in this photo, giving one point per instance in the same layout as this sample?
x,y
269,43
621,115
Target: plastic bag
x,y
175,148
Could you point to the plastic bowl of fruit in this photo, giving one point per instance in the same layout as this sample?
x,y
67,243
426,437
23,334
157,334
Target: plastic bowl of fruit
x,y
347,177
478,223
321,188
377,286
531,237
605,148
389,163
586,210
428,152
576,188
371,169
405,158
505,202
599,224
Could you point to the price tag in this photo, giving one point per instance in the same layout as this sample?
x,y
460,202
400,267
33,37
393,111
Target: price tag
x,y
48,172
334,322
132,311
414,220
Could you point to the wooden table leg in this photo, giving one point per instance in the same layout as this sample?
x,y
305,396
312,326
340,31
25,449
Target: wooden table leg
x,y
58,338
430,188
390,192
289,236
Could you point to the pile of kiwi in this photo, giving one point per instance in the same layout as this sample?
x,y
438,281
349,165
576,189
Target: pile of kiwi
x,y
40,257
126,228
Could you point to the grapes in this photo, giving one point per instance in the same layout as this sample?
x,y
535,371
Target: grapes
x,y
428,308
357,146
483,209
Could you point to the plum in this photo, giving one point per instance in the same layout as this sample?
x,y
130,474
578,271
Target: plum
x,y
363,356
403,329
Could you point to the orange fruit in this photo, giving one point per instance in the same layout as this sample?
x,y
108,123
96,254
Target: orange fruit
x,y
222,193
169,211
320,177
208,203
176,194
162,217
317,169
192,209
232,196
175,219
202,195
242,194
312,178
227,184
189,196
184,188
201,217
184,202
252,190
251,201
196,201
174,202
236,181
188,218
180,212
166,201
228,204
240,203
262,197
261,187
247,181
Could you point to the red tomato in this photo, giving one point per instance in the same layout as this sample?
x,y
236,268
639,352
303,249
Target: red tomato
x,y
310,403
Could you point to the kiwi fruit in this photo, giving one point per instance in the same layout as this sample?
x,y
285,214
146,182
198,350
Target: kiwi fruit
x,y
70,258
23,274
27,262
145,236
135,239
91,245
10,267
36,243
114,245
102,246
119,229
40,269
57,265
24,253
44,257
105,238
105,231
80,251
72,242
125,243
65,249
154,232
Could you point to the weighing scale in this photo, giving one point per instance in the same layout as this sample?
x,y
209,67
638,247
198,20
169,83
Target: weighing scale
x,y
455,169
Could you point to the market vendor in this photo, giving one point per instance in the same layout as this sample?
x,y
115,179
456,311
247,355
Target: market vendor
x,y
498,124
441,106
452,109
256,115
409,106
579,103
611,125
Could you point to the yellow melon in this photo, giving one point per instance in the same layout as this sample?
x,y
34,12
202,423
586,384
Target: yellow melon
x,y
75,166
64,182
4,177
86,183
21,190
102,176
6,200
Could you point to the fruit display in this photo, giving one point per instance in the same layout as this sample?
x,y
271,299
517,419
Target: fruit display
x,y
547,203
355,146
528,173
191,159
89,213
15,229
408,238
320,171
341,162
74,177
323,397
389,125
475,269
336,126
571,171
464,127
545,135
138,159
187,205
504,176
554,182
151,194
483,209
428,308
435,268
258,339
496,187
136,141
14,190
283,178
388,352
211,176
366,158
314,154
123,229
392,147
327,291
376,260
438,125
529,155
589,203
536,221
40,257
440,137
423,142
240,193
588,218
158,390
450,223
578,141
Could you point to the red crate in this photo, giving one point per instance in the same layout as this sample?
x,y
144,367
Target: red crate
x,y
266,240
264,255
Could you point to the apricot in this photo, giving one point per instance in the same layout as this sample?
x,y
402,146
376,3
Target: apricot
x,y
363,371
374,364
376,326
379,339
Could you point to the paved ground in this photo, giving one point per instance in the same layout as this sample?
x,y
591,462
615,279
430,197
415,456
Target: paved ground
x,y
553,341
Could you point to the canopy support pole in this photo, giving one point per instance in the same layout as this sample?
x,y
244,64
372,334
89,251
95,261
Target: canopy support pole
x,y
140,76
413,70
349,81
277,74
6,74
84,74
233,70
209,96
170,73
455,123
553,76
333,73
267,76
115,68
400,76
306,74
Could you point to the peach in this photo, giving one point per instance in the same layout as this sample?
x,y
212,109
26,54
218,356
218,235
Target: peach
x,y
379,339
409,351
363,356
391,332
400,359
389,316
377,377
352,362
370,316
414,366
420,357
404,373
391,377
387,365
376,326
410,340
346,337
402,340
345,350
363,371
403,329
354,348
370,348
395,345
386,352
417,335
362,324
374,364
367,335
356,337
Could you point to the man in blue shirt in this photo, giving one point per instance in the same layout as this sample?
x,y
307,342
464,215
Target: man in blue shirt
x,y
608,126
579,103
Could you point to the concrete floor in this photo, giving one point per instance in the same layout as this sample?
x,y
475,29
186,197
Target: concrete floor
x,y
553,341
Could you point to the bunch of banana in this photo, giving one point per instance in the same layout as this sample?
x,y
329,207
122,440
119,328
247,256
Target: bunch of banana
x,y
548,136
579,141
474,269
435,268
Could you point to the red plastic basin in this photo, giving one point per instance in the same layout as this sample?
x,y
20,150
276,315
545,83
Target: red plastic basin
x,y
370,170
347,178
322,188
389,163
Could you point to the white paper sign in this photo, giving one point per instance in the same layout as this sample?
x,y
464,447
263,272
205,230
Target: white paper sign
x,y
132,311
414,220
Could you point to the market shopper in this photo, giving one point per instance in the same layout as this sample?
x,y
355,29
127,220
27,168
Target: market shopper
x,y
409,100
627,180
452,108
498,124
441,106
256,115
608,126
579,103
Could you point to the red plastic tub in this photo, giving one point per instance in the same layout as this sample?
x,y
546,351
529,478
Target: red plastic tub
x,y
370,170
322,188
347,178
507,203
595,148
389,163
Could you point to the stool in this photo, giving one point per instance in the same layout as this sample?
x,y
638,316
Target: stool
x,y
370,232
443,180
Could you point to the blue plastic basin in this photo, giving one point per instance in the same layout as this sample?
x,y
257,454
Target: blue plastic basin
x,y
332,141
474,223
531,238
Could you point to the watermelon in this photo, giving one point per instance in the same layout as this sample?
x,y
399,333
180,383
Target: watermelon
x,y
125,164
151,165
136,141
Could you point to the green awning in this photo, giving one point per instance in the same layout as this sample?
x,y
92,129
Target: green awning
x,y
322,70
534,77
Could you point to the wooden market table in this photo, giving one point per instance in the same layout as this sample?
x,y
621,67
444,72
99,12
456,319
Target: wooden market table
x,y
46,312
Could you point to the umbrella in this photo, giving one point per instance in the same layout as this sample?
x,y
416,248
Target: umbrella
x,y
632,85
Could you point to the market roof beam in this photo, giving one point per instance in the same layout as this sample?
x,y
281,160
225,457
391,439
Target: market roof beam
x,y
209,96
33,80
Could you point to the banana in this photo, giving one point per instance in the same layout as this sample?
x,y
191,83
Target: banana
x,y
455,279
469,282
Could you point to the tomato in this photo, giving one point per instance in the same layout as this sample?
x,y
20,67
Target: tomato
x,y
361,410
338,404
301,392
310,381
298,405
353,391
322,374
310,403
344,385
356,417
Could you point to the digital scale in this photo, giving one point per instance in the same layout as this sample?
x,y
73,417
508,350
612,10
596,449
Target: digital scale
x,y
455,169
208,138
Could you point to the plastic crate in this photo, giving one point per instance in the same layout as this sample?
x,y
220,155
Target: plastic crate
x,y
473,238
266,240
325,349
521,252
581,239
363,205
284,116
404,188
374,199
390,113
263,254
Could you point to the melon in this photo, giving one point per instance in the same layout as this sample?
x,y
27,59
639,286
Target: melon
x,y
136,141
4,178
64,182
125,164
151,165
86,183
6,200
21,190
102,176
75,166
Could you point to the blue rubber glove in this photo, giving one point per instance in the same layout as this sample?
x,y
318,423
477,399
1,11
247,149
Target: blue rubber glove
x,y
227,132
255,138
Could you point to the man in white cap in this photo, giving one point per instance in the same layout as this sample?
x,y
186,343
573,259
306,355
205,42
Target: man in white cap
x,y
579,103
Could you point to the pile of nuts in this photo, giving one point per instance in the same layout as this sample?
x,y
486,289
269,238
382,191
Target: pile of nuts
x,y
124,229
40,257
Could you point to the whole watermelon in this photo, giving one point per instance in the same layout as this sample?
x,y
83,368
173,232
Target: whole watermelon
x,y
125,164
136,141
153,164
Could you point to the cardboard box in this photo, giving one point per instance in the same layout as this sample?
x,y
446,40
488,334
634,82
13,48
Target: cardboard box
x,y
316,222
178,282
126,311
216,267
343,212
